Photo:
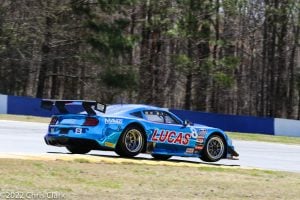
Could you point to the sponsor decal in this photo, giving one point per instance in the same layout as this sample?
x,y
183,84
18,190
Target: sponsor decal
x,y
202,132
171,137
200,139
189,150
113,121
109,144
199,144
198,147
194,133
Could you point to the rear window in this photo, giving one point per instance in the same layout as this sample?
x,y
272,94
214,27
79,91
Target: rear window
x,y
137,114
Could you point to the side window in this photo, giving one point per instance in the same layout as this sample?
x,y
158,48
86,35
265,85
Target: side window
x,y
169,119
154,116
160,116
137,114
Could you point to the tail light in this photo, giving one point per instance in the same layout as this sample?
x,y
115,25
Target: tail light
x,y
53,120
91,121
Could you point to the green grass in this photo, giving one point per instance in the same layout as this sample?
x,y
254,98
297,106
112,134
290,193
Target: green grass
x,y
264,138
26,118
83,179
76,180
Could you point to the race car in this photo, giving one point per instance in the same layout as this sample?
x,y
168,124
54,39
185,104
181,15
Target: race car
x,y
130,129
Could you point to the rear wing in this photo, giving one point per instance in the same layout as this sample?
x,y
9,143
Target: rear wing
x,y
89,106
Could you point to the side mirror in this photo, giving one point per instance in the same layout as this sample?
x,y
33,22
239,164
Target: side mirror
x,y
186,122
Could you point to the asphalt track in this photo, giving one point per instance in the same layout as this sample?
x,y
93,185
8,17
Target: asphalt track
x,y
27,138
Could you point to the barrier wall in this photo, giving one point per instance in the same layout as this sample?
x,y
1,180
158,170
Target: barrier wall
x,y
246,124
31,106
234,123
287,127
26,106
3,104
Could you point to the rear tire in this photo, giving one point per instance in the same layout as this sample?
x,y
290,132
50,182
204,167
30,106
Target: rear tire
x,y
160,156
78,150
214,149
131,142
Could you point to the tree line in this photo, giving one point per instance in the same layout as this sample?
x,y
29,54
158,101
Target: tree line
x,y
224,56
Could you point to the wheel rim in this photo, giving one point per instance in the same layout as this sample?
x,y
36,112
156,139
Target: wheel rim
x,y
215,148
133,140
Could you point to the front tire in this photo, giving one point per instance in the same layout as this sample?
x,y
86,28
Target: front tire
x,y
160,156
78,150
214,149
131,142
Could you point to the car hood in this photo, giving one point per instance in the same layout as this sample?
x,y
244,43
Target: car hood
x,y
201,126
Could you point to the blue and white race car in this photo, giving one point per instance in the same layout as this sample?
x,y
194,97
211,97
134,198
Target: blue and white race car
x,y
130,129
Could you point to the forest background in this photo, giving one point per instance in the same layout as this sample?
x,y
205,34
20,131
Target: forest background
x,y
225,56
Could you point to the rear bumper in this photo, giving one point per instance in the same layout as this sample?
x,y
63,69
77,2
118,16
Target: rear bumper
x,y
62,141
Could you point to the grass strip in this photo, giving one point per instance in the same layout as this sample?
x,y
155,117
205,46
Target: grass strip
x,y
264,138
25,118
78,179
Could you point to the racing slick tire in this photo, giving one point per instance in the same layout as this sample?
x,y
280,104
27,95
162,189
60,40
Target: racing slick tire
x,y
77,149
160,156
131,142
214,149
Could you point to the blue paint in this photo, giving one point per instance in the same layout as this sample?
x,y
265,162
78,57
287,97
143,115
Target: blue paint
x,y
234,123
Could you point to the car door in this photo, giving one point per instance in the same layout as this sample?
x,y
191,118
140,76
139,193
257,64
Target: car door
x,y
168,133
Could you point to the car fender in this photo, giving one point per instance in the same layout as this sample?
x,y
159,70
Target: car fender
x,y
114,127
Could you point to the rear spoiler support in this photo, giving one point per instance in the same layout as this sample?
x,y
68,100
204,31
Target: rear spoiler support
x,y
89,106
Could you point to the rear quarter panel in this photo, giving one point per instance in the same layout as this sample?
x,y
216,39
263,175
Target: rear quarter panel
x,y
113,126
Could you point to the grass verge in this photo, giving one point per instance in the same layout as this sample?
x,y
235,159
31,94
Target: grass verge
x,y
25,118
264,138
83,180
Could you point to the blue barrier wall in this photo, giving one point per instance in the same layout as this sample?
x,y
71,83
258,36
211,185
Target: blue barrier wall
x,y
31,106
232,123
247,124
26,106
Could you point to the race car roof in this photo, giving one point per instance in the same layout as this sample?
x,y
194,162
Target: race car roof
x,y
123,108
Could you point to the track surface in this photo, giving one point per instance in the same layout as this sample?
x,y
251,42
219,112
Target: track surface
x,y
27,138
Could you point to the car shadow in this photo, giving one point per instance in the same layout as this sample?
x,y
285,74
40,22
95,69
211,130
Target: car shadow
x,y
172,160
